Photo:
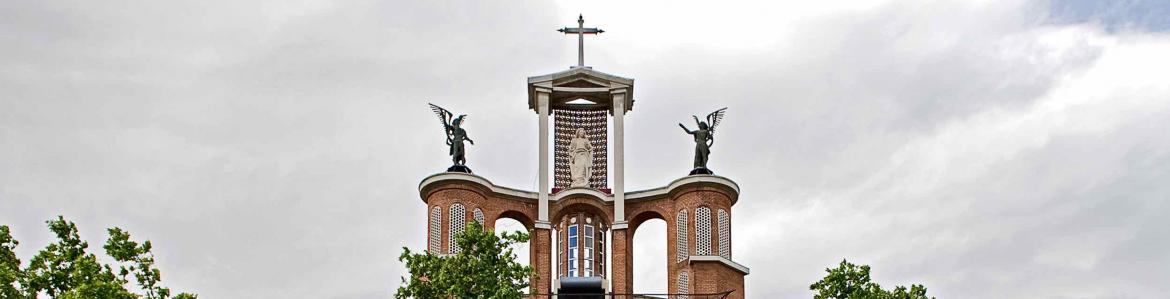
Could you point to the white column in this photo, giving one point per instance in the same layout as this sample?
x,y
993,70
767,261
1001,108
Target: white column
x,y
542,199
619,158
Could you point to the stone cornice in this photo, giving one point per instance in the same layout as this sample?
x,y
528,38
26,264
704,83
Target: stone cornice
x,y
471,178
687,180
605,198
719,259
650,194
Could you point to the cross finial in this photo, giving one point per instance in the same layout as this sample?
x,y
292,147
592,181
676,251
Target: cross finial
x,y
580,31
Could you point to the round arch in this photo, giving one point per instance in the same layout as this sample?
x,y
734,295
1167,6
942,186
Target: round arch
x,y
519,216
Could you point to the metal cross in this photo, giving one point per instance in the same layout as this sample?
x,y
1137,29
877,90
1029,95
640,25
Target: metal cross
x,y
580,31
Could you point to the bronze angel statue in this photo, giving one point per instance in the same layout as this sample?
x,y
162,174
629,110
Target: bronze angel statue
x,y
704,138
455,137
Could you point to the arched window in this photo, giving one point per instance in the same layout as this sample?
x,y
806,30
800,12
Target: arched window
x,y
478,214
680,224
436,236
683,283
724,234
703,231
458,220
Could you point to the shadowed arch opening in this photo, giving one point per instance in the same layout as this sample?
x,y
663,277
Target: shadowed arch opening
x,y
522,250
649,245
518,216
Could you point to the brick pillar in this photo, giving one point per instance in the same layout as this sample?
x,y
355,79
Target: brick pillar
x,y
540,258
623,262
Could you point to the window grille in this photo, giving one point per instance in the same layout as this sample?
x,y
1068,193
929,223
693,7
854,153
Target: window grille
x,y
680,222
683,283
703,231
458,220
478,214
724,234
436,237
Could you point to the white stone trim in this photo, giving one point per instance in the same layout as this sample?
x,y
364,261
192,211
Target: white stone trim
x,y
467,177
542,110
620,225
619,153
691,179
716,258
605,198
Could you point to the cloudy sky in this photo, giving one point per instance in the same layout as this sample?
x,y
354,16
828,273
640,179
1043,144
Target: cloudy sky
x,y
273,149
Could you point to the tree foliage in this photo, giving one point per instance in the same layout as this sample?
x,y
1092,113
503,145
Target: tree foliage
x,y
849,281
65,270
486,267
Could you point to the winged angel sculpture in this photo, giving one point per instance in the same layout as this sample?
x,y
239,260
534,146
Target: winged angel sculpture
x,y
455,137
704,138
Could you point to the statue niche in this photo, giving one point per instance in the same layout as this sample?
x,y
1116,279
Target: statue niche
x,y
580,159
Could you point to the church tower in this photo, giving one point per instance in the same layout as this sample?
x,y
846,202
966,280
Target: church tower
x,y
582,201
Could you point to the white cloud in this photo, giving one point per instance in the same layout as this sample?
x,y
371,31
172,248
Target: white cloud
x,y
274,148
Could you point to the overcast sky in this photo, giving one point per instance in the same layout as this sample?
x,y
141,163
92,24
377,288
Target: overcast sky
x,y
273,149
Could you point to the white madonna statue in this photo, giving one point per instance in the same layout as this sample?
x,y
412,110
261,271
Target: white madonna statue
x,y
580,159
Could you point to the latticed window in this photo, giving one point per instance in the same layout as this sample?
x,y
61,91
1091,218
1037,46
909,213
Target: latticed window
x,y
680,224
601,251
724,234
436,234
478,214
683,283
573,239
458,220
703,231
587,258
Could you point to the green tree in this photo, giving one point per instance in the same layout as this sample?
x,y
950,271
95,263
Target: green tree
x,y
849,281
486,267
65,270
11,277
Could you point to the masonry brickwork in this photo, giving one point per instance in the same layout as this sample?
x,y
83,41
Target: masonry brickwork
x,y
711,192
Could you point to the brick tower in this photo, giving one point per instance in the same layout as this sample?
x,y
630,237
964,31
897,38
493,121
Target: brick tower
x,y
586,206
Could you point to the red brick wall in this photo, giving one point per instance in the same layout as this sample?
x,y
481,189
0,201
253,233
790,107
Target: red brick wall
x,y
704,277
715,277
687,197
542,260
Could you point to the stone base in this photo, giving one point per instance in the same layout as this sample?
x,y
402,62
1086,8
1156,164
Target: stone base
x,y
459,168
701,170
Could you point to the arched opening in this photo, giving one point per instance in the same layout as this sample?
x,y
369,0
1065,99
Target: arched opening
x,y
512,225
650,247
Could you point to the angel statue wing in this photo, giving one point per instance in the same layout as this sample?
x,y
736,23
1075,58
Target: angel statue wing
x,y
715,117
444,115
